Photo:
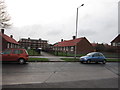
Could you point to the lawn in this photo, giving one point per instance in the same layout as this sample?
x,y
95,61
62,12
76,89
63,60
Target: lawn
x,y
113,60
67,54
38,59
32,52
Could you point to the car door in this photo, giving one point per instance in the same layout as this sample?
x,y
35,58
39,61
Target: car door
x,y
15,55
95,57
6,55
100,57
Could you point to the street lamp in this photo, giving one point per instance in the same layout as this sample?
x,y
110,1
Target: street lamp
x,y
76,29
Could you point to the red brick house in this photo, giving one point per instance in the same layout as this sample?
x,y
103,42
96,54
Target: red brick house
x,y
82,45
7,42
116,43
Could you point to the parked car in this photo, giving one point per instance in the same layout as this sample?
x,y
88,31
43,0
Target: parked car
x,y
93,57
19,55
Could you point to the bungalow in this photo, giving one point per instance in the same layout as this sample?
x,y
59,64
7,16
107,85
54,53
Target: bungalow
x,y
116,43
82,46
7,42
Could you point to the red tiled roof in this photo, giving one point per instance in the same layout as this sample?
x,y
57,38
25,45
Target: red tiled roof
x,y
117,39
8,39
69,42
94,44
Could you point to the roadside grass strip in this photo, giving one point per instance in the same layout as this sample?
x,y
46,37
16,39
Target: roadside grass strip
x,y
38,60
70,59
113,60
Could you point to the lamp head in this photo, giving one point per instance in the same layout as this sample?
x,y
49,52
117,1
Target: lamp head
x,y
82,5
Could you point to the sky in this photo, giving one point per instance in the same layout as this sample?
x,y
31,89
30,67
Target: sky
x,y
54,20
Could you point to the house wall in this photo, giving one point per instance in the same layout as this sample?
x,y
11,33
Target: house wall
x,y
84,47
4,44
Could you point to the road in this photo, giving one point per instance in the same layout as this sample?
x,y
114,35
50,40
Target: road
x,y
60,75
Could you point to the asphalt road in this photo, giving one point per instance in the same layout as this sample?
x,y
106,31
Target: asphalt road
x,y
60,75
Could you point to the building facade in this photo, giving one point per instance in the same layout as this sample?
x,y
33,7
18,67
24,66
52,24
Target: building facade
x,y
33,43
82,46
7,41
116,43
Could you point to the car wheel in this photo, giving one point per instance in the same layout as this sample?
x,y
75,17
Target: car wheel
x,y
104,62
88,61
81,61
21,61
96,62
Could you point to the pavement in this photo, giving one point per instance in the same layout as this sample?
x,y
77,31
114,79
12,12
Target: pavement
x,y
60,75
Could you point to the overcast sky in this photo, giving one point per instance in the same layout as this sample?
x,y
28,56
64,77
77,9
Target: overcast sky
x,y
54,20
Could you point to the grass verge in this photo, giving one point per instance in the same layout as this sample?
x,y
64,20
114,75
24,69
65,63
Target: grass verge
x,y
69,59
113,60
38,59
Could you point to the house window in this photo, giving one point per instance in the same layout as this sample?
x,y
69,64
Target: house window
x,y
118,44
66,48
72,48
8,45
114,44
15,45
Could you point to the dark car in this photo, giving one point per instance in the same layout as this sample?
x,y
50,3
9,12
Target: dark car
x,y
93,57
19,55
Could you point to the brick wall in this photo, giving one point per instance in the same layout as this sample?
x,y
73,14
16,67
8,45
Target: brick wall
x,y
84,47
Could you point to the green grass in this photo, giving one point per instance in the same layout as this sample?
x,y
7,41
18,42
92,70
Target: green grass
x,y
32,52
38,59
67,54
113,60
69,59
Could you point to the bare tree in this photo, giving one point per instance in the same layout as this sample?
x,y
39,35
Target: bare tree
x,y
4,16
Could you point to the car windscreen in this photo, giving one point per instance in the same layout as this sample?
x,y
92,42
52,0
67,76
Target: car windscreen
x,y
90,54
7,52
17,51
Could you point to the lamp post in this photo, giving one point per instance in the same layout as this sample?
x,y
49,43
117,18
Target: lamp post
x,y
76,29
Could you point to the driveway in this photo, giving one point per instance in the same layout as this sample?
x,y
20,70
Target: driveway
x,y
60,75
47,55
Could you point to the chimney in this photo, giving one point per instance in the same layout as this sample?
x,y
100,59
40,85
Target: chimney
x,y
74,37
2,31
61,40
11,36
